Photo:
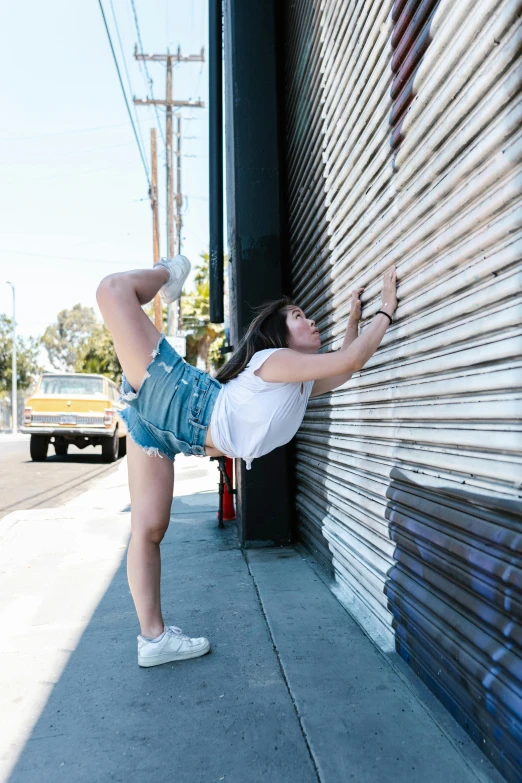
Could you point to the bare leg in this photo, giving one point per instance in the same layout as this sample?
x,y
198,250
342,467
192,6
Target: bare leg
x,y
151,483
120,297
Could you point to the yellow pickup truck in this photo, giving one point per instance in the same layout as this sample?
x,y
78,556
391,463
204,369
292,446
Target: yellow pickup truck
x,y
75,408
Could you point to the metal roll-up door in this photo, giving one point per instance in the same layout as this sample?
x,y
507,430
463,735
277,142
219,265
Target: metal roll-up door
x,y
404,145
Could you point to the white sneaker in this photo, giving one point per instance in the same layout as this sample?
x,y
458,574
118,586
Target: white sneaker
x,y
178,269
173,645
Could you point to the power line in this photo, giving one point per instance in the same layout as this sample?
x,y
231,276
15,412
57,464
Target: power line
x,y
124,59
138,264
124,94
149,77
54,156
78,173
63,133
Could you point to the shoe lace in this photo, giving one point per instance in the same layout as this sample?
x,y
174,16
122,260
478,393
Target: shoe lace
x,y
177,631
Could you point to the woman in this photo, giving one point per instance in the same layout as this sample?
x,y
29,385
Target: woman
x,y
255,404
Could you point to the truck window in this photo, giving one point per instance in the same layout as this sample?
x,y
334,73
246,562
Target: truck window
x,y
71,384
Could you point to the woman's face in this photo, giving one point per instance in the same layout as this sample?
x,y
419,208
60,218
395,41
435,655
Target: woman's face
x,y
303,333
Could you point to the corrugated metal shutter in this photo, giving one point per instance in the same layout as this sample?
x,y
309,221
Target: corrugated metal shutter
x,y
404,146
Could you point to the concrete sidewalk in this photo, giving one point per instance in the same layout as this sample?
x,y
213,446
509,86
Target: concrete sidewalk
x,y
292,691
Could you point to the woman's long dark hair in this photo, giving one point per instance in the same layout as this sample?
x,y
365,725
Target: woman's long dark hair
x,y
268,330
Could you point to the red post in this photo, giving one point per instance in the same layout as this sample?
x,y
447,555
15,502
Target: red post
x,y
228,499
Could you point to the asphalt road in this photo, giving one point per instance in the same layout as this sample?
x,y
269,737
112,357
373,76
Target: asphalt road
x,y
26,484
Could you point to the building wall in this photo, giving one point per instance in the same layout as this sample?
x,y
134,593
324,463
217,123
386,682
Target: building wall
x,y
403,146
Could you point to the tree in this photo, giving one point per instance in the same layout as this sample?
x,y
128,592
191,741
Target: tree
x,y
195,309
67,340
100,356
216,358
27,365
78,342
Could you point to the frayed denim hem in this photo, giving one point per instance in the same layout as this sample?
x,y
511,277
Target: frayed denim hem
x,y
127,396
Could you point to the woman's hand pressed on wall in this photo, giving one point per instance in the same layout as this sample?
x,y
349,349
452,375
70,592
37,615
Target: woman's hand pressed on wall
x,y
332,368
389,291
355,307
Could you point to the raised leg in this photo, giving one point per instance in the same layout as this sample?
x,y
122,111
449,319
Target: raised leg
x,y
151,483
120,297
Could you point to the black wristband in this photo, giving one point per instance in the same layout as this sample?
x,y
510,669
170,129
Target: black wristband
x,y
383,313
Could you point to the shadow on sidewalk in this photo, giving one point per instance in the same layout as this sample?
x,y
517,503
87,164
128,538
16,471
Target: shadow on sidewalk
x,y
226,716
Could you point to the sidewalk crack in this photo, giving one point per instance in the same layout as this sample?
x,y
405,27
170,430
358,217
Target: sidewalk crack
x,y
281,668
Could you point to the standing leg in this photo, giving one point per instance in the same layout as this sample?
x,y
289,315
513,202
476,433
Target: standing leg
x,y
120,297
151,483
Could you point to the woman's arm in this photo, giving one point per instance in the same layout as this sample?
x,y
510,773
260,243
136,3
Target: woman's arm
x,y
352,331
289,366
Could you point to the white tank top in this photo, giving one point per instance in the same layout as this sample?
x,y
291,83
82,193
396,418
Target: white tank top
x,y
252,417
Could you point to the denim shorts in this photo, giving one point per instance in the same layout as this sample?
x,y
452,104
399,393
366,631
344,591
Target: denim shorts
x,y
170,413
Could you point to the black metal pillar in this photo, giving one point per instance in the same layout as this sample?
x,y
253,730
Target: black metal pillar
x,y
255,231
215,103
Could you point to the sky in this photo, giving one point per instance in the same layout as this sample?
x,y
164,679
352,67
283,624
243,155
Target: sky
x,y
74,201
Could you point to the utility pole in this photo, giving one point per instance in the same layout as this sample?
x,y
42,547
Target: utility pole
x,y
179,201
179,198
174,321
14,385
158,310
171,319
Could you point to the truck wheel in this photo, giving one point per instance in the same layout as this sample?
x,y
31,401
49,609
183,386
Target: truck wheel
x,y
38,447
61,449
110,447
122,447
